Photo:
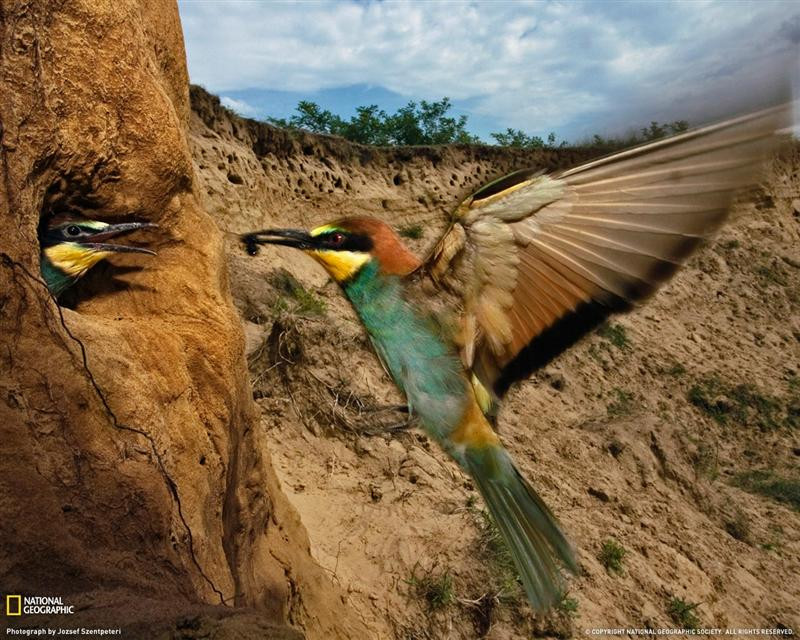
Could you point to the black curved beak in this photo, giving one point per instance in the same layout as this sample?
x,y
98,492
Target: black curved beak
x,y
114,230
286,237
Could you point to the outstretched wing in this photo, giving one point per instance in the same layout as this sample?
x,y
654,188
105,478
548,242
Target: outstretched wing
x,y
540,260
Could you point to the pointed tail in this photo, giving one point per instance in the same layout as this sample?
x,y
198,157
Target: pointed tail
x,y
530,530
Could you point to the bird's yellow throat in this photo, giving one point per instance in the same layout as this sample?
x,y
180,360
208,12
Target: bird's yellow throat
x,y
73,259
342,265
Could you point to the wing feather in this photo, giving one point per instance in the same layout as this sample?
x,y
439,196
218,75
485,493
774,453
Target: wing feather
x,y
662,246
540,260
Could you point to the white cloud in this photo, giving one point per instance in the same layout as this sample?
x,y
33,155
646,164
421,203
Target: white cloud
x,y
240,106
529,65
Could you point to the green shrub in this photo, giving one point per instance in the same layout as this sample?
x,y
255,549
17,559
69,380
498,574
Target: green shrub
x,y
742,404
611,556
615,334
568,605
306,303
768,483
436,589
683,613
413,231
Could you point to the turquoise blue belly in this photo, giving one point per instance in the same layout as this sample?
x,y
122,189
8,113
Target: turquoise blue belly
x,y
424,366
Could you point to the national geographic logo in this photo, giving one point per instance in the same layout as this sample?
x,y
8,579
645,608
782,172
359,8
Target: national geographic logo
x,y
13,605
37,606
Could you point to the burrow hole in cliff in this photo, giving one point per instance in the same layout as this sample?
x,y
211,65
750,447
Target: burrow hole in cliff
x,y
75,193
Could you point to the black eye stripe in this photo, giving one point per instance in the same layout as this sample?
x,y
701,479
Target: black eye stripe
x,y
344,241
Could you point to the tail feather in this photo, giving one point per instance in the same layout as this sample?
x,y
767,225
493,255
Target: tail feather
x,y
531,531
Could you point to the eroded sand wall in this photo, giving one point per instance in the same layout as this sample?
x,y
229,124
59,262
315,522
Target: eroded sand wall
x,y
131,474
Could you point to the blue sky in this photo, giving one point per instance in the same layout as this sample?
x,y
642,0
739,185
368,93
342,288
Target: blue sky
x,y
576,68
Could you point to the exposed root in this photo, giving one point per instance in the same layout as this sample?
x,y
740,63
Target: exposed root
x,y
336,408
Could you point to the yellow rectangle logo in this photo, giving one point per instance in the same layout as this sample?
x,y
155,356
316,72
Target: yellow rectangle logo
x,y
13,605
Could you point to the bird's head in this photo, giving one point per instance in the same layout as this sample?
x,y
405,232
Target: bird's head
x,y
71,246
344,247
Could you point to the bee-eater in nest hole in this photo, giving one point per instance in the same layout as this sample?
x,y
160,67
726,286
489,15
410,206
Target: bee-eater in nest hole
x,y
71,245
528,265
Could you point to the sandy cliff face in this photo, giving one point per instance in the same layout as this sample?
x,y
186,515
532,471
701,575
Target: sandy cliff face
x,y
136,482
643,434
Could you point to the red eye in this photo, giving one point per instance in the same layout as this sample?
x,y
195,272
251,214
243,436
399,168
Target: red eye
x,y
337,238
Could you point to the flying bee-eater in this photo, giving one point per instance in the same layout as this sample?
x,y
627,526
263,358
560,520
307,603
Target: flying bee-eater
x,y
72,245
529,264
